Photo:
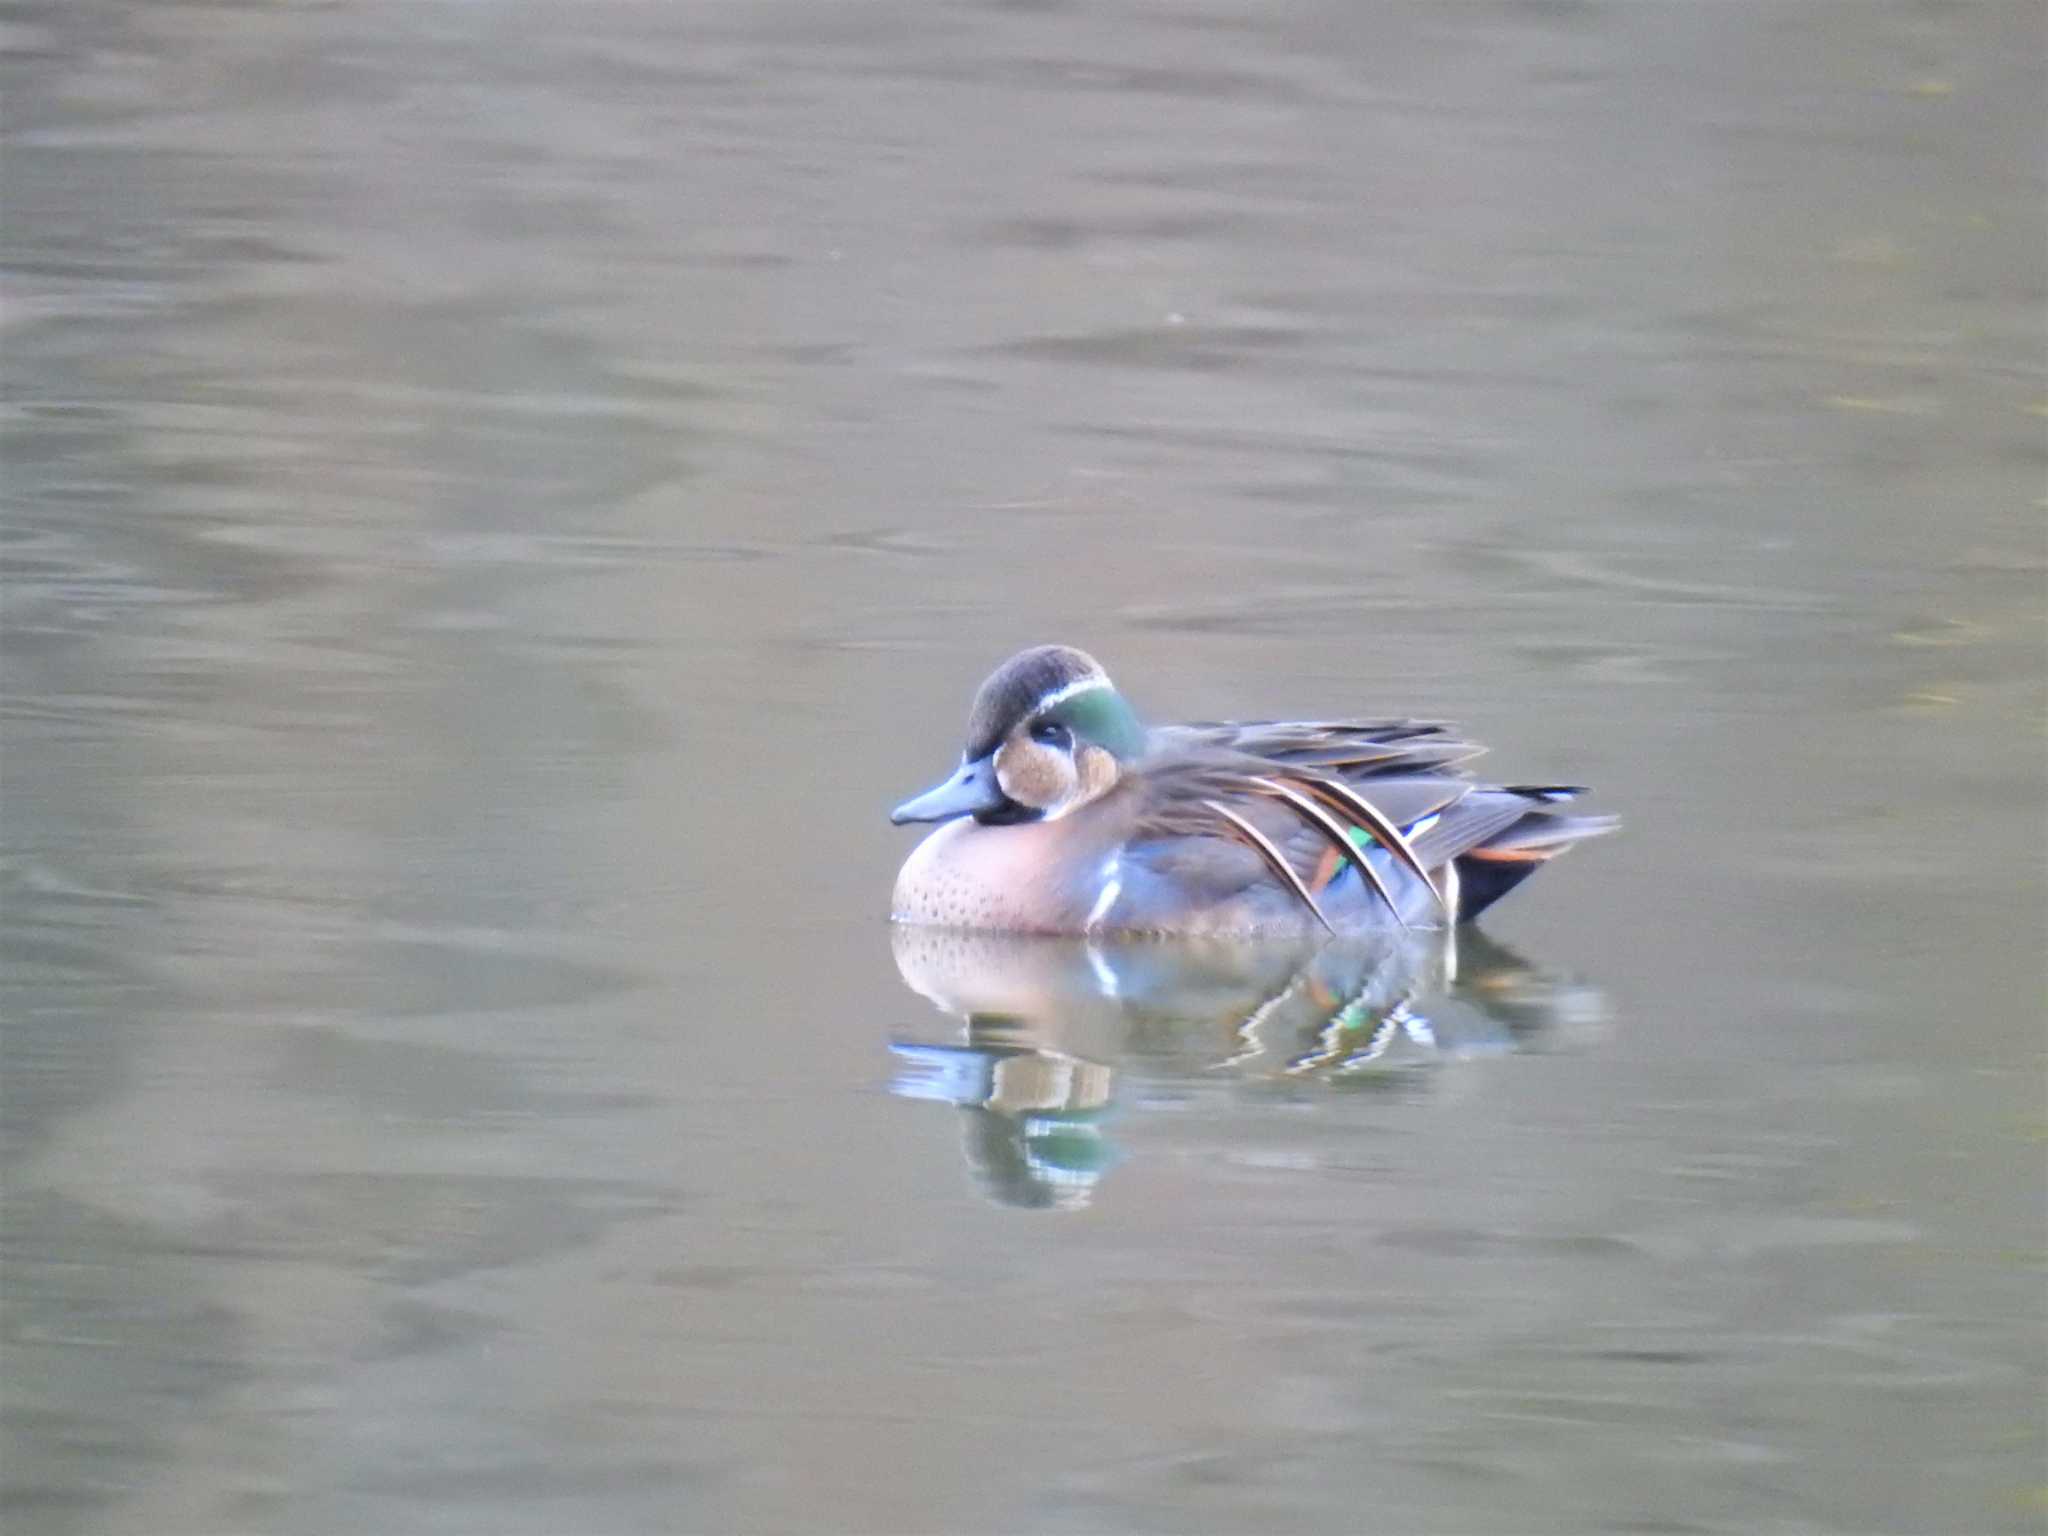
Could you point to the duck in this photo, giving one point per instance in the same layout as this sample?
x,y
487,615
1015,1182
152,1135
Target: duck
x,y
1068,816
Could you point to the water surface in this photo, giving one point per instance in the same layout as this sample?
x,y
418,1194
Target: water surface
x,y
501,499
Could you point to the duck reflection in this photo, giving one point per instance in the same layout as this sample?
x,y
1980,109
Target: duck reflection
x,y
1052,1027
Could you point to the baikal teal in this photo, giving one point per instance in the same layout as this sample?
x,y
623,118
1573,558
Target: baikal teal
x,y
1067,816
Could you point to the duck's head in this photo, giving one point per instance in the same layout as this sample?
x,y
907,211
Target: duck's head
x,y
1048,733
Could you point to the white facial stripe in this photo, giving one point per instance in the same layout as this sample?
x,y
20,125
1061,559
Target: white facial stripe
x,y
1060,695
1071,799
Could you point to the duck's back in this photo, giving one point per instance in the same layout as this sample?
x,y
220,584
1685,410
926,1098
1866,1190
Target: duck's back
x,y
1236,826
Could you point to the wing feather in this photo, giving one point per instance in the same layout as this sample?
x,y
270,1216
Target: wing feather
x,y
1273,857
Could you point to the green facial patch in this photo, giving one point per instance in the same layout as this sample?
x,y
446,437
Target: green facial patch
x,y
1100,715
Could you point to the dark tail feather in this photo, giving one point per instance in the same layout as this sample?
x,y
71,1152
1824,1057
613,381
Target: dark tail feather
x,y
1504,861
1483,881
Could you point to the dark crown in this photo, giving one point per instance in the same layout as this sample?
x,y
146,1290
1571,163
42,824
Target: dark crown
x,y
1016,688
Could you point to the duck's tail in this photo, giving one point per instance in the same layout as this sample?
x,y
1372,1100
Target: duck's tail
x,y
1527,835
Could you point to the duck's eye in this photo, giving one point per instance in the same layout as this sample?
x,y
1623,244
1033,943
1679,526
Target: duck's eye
x,y
1051,733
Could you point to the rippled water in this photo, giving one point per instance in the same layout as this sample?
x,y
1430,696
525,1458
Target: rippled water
x,y
502,497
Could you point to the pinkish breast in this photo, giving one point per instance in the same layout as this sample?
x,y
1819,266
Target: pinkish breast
x,y
970,876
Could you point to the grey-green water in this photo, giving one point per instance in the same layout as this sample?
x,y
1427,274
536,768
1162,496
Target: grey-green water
x,y
502,497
